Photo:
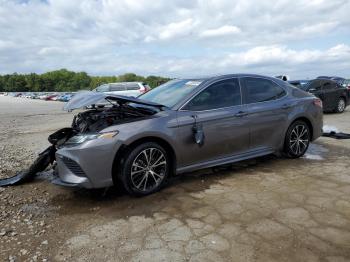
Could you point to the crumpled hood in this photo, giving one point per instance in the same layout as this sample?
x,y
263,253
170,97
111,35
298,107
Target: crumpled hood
x,y
88,98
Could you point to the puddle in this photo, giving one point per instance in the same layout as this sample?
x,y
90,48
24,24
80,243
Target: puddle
x,y
315,152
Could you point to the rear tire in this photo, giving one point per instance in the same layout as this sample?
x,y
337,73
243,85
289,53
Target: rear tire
x,y
145,169
297,139
341,105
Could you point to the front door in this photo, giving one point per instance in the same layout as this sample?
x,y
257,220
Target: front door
x,y
217,111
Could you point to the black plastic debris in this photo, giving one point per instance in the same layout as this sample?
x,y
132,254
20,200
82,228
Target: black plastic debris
x,y
44,159
336,135
40,164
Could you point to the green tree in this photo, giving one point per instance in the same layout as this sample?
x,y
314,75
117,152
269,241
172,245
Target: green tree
x,y
64,80
130,77
154,81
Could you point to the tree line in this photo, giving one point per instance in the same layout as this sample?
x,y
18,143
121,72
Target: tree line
x,y
64,80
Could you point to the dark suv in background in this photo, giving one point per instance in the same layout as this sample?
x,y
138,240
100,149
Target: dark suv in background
x,y
332,92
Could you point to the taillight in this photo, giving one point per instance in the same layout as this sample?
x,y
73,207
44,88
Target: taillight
x,y
348,87
318,102
142,90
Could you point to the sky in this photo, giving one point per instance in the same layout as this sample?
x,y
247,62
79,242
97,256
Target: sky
x,y
177,38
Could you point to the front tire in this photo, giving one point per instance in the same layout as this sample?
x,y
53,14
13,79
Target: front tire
x,y
297,139
145,169
341,105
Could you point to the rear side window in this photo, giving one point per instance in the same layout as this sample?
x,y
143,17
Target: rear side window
x,y
102,88
261,90
117,87
222,94
132,87
315,85
328,85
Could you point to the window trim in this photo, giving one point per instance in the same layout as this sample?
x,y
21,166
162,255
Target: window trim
x,y
117,85
244,93
204,88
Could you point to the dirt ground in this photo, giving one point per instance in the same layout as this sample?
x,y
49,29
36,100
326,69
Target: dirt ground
x,y
268,209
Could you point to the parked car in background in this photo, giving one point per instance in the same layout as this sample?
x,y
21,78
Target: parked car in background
x,y
335,97
65,97
346,84
28,95
181,126
51,97
339,80
299,83
124,88
283,77
43,96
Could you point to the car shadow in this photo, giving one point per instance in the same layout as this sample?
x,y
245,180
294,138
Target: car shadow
x,y
115,198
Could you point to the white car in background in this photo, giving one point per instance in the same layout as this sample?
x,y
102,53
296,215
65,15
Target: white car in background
x,y
133,89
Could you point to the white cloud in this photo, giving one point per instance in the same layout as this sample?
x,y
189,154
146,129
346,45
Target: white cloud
x,y
177,37
177,29
221,31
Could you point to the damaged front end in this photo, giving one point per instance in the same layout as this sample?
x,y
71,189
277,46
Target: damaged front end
x,y
44,159
102,111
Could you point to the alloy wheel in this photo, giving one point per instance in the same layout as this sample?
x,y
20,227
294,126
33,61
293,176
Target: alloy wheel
x,y
148,169
341,105
299,139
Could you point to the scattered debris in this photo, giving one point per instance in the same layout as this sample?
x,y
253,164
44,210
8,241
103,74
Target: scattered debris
x,y
337,135
45,242
333,132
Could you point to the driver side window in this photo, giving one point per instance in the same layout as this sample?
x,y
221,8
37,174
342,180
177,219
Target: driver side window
x,y
222,94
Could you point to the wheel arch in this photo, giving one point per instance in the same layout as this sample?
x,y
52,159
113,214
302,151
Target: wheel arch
x,y
344,96
126,148
307,121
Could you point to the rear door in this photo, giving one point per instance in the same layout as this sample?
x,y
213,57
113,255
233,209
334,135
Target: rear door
x,y
267,107
331,94
217,110
315,88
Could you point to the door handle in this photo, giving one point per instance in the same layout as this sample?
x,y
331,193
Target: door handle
x,y
241,114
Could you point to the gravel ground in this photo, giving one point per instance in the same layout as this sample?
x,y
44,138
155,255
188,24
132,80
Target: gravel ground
x,y
267,209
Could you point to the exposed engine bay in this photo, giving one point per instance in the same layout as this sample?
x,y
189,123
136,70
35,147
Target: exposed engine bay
x,y
97,119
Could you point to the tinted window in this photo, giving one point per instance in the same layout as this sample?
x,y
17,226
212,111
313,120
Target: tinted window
x,y
327,85
315,85
132,86
117,87
261,90
219,95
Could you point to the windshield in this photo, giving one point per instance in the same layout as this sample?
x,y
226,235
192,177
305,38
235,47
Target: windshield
x,y
171,93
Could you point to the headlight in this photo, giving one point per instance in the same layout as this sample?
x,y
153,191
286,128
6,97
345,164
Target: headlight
x,y
79,139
